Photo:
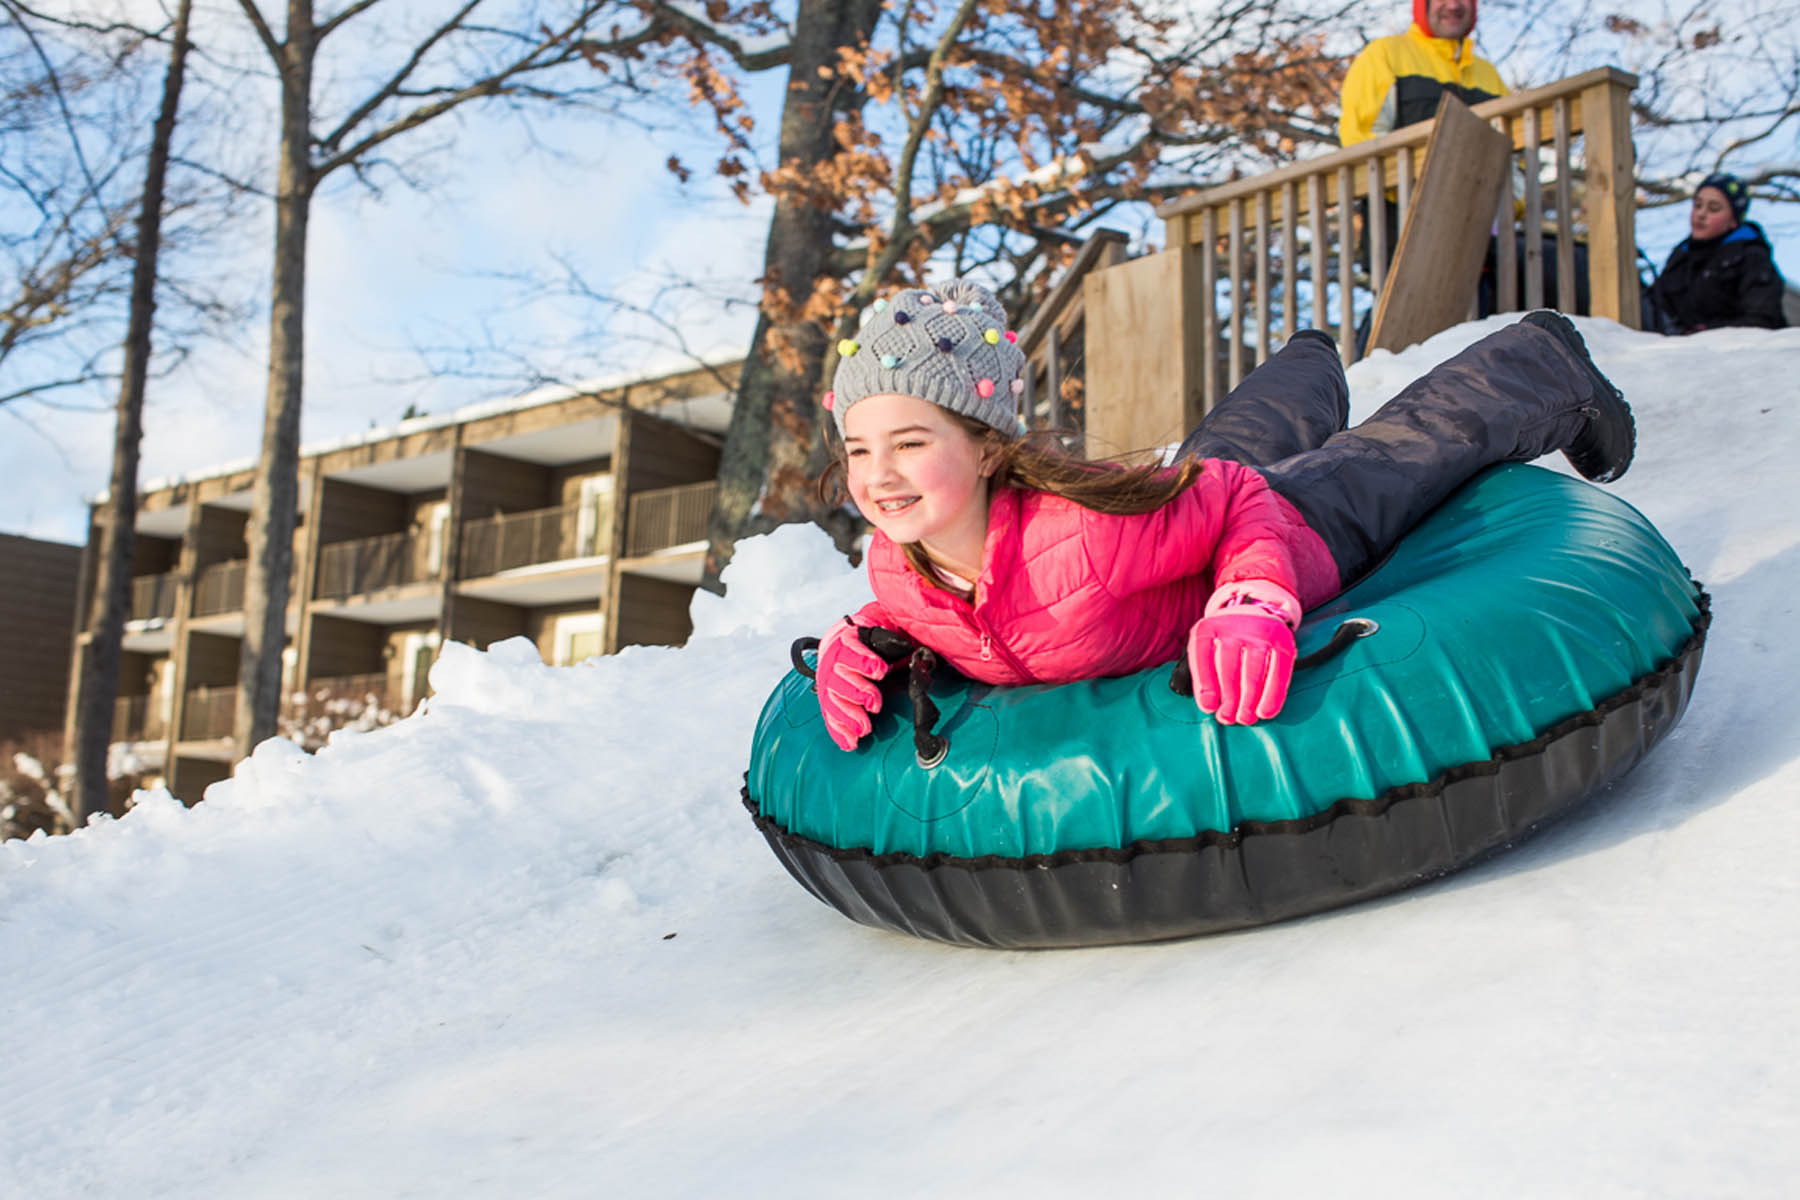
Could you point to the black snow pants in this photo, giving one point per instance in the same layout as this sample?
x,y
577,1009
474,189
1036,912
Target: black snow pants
x,y
1515,395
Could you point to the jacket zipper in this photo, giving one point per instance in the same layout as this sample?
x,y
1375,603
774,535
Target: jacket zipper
x,y
989,649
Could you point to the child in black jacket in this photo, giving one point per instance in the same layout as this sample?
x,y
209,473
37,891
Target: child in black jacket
x,y
1724,274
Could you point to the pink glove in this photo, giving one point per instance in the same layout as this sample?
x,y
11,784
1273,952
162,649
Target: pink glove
x,y
845,680
1241,655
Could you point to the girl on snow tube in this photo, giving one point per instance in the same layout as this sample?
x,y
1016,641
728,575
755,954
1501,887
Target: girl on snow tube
x,y
1018,565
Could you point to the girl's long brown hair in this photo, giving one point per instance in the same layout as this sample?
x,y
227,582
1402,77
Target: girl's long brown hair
x,y
1039,462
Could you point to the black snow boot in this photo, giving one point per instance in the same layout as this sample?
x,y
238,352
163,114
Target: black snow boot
x,y
1602,450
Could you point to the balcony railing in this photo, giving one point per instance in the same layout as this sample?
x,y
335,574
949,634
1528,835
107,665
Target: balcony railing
x,y
138,719
220,588
153,597
491,545
311,715
370,564
674,516
1054,340
208,713
360,691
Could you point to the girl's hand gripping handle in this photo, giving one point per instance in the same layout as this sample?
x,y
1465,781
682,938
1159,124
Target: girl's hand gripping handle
x,y
845,681
1241,654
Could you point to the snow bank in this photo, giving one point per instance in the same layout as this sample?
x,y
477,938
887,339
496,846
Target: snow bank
x,y
526,942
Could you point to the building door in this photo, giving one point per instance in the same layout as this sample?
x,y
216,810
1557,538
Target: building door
x,y
579,637
418,651
437,538
593,520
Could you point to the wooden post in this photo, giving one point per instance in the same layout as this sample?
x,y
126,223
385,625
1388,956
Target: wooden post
x,y
308,581
1290,270
1534,216
1377,227
1203,361
1315,192
622,493
179,647
1566,289
1234,339
454,500
1407,175
1262,277
1346,263
1611,201
1506,253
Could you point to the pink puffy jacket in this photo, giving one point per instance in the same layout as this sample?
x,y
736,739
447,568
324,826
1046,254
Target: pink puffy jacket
x,y
1067,593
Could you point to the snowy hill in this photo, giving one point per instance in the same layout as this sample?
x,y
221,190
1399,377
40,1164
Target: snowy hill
x,y
527,943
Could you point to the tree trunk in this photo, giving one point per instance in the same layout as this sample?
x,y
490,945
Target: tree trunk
x,y
276,496
99,665
774,447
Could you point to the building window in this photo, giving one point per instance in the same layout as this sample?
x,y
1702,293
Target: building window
x,y
579,637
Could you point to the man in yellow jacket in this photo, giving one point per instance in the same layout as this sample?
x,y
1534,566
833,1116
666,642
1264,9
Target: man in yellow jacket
x,y
1397,80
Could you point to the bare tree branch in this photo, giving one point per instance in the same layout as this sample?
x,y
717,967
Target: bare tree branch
x,y
557,49
271,44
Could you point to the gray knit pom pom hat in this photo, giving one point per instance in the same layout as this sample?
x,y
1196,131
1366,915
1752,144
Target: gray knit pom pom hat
x,y
948,345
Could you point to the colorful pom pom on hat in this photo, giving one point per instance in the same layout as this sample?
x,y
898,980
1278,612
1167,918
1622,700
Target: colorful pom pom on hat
x,y
949,346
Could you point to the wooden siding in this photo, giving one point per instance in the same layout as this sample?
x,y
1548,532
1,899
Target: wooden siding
x,y
37,627
137,672
495,484
565,482
220,536
481,623
150,555
652,612
340,647
212,660
663,455
349,511
190,777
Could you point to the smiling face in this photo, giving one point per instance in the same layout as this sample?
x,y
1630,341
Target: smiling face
x,y
1711,215
919,476
1452,19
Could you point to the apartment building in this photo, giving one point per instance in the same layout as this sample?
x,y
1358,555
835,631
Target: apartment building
x,y
37,616
576,520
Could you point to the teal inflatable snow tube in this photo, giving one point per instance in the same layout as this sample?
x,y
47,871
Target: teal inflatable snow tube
x,y
1524,647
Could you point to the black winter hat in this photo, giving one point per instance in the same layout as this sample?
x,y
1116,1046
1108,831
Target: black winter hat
x,y
1734,191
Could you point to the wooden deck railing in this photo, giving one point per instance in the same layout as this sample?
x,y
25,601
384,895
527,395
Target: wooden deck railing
x,y
138,718
1053,341
1278,253
370,564
219,588
673,516
208,713
512,540
153,597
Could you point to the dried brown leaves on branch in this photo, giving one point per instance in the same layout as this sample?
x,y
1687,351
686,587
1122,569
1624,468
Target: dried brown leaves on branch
x,y
983,137
1015,117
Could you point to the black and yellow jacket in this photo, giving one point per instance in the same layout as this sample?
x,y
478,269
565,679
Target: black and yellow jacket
x,y
1397,81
